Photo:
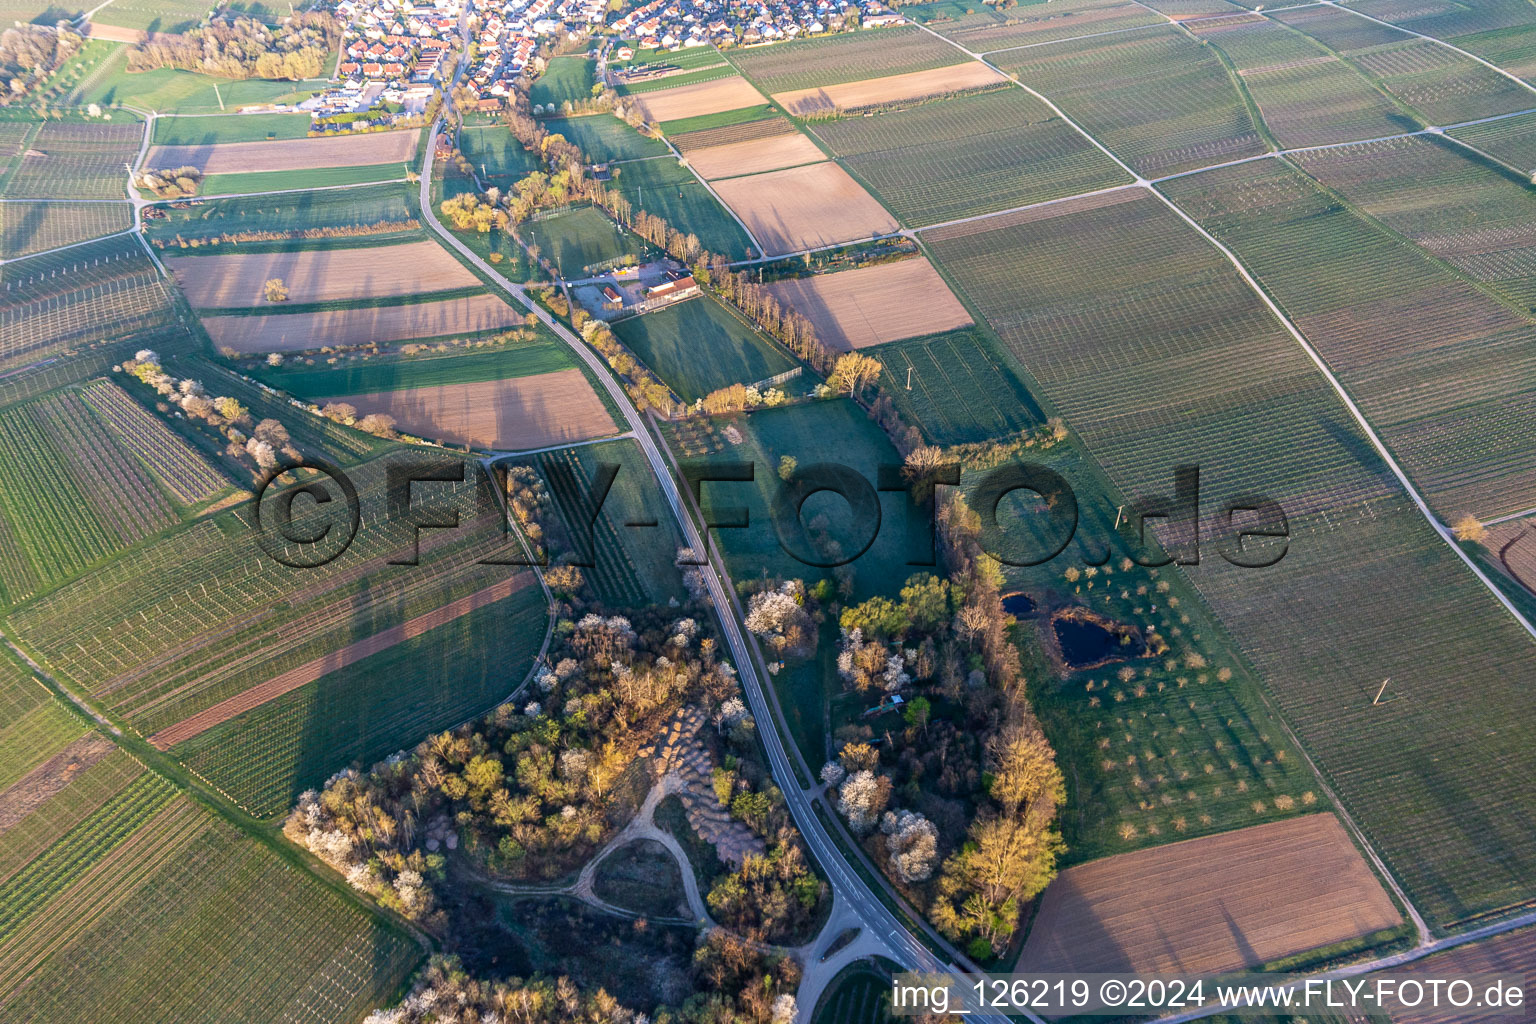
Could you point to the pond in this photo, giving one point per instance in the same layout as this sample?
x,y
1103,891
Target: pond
x,y
1089,641
1020,604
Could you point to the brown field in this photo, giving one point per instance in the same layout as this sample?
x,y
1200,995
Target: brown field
x,y
297,331
319,275
1511,953
755,156
505,415
1513,544
312,670
873,305
115,33
705,138
873,92
1209,905
805,207
699,98
28,793
288,155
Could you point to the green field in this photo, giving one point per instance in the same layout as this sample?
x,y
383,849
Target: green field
x,y
699,346
844,57
603,137
168,91
683,125
1452,402
153,15
580,237
631,565
566,80
1157,99
497,156
962,391
348,214
33,227
207,130
267,756
696,57
520,360
969,155
708,73
313,177
1259,419
671,192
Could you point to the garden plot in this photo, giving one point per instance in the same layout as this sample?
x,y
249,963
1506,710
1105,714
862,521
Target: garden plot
x,y
874,92
361,325
1445,372
236,280
1100,299
290,154
874,305
1210,905
804,207
507,415
710,97
1157,99
968,155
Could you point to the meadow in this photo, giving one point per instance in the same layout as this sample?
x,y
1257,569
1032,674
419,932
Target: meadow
x,y
516,360
566,80
844,57
662,188
33,227
378,213
312,177
973,154
88,294
1157,99
702,122
153,15
212,130
580,239
962,390
1443,370
1258,418
699,346
497,156
603,137
168,91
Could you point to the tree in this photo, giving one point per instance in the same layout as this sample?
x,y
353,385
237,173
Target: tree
x,y
275,290
787,466
1469,529
853,372
913,844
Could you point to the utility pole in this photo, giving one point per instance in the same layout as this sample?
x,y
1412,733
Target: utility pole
x,y
1381,691
909,378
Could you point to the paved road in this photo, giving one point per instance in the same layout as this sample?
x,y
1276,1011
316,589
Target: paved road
x,y
847,888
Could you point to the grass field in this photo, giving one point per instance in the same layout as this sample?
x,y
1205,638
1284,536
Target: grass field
x,y
642,876
969,155
91,293
580,237
210,130
518,360
1444,371
962,391
341,212
32,227
631,564
843,57
313,177
699,346
1262,420
604,137
566,80
497,156
168,91
1157,99
662,188
153,15
683,125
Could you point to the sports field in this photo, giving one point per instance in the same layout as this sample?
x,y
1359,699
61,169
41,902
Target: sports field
x,y
1210,905
1259,419
1157,99
167,90
498,158
699,346
580,238
969,155
235,280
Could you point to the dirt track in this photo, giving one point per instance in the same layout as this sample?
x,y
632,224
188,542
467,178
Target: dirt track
x,y
805,207
874,305
295,332
231,279
288,155
507,415
872,92
1209,905
312,670
700,98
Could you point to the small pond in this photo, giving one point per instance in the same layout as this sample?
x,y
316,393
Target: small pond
x,y
1086,641
1020,604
